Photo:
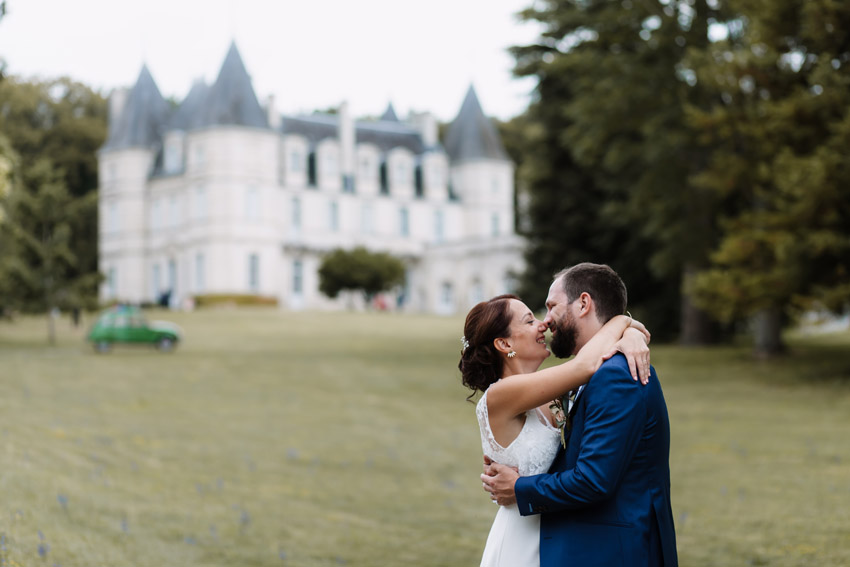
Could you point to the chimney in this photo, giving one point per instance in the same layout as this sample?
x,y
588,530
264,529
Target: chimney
x,y
272,114
346,140
117,101
427,126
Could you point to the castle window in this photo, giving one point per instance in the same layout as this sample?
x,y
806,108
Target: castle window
x,y
311,169
494,224
366,222
200,202
172,211
436,176
333,216
476,292
385,184
296,162
156,214
366,168
199,156
172,276
112,217
446,297
253,272
439,226
329,167
296,213
401,175
112,282
200,272
174,155
156,284
404,221
297,277
252,203
348,184
418,183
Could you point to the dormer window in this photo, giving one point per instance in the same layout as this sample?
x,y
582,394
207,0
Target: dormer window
x,y
330,167
367,170
401,174
173,161
296,161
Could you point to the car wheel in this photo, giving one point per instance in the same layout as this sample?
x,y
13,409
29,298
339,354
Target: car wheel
x,y
165,344
102,347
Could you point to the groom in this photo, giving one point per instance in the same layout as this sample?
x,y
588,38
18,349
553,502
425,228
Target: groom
x,y
606,498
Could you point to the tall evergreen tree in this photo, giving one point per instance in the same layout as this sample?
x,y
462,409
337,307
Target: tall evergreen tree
x,y
65,122
37,268
609,176
779,132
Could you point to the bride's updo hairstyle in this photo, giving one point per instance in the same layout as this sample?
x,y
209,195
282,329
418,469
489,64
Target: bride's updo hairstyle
x,y
480,363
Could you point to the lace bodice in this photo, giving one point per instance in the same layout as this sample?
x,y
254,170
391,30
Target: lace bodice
x,y
534,449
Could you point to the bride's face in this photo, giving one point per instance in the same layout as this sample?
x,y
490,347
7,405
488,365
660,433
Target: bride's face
x,y
528,334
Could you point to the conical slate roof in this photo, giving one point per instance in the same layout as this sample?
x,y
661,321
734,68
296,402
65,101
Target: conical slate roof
x,y
472,135
144,114
231,100
389,114
189,114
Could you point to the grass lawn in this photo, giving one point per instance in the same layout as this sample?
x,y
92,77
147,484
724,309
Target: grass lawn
x,y
320,439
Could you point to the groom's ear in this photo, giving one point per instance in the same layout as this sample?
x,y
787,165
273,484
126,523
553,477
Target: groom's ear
x,y
586,305
502,345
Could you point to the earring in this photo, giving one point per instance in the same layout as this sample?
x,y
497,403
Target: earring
x,y
511,354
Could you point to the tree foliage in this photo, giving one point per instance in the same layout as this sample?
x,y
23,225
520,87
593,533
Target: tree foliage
x,y
359,269
53,129
38,265
705,169
609,160
779,133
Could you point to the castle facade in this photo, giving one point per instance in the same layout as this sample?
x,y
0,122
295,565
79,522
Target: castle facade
x,y
223,195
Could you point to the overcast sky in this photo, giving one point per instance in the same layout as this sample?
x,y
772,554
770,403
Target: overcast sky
x,y
310,54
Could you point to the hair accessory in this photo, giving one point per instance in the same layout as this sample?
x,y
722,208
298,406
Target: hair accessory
x,y
465,344
512,354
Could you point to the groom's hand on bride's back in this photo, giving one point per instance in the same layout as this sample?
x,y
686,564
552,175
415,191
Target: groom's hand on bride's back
x,y
499,481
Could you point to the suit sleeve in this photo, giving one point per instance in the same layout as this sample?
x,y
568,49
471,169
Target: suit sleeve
x,y
614,421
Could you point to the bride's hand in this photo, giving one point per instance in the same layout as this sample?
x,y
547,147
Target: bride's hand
x,y
633,344
635,324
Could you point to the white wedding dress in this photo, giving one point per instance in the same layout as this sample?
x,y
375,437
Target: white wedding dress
x,y
514,540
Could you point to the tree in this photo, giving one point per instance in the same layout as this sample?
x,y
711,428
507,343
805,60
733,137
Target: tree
x,y
64,122
779,129
359,269
609,164
37,265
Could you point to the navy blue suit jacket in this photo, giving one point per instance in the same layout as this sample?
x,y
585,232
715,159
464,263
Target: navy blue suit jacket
x,y
606,499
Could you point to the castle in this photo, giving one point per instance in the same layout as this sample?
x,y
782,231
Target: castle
x,y
223,195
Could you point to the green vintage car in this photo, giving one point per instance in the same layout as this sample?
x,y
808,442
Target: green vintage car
x,y
127,325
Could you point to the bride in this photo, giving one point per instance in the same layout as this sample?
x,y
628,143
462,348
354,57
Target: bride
x,y
503,346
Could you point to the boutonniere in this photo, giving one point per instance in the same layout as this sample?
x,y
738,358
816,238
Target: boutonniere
x,y
560,408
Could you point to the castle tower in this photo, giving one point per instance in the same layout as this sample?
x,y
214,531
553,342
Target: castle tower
x,y
481,171
126,162
227,189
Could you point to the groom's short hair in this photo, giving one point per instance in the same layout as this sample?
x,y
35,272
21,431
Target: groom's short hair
x,y
601,282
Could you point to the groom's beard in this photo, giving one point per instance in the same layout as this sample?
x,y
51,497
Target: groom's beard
x,y
564,339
